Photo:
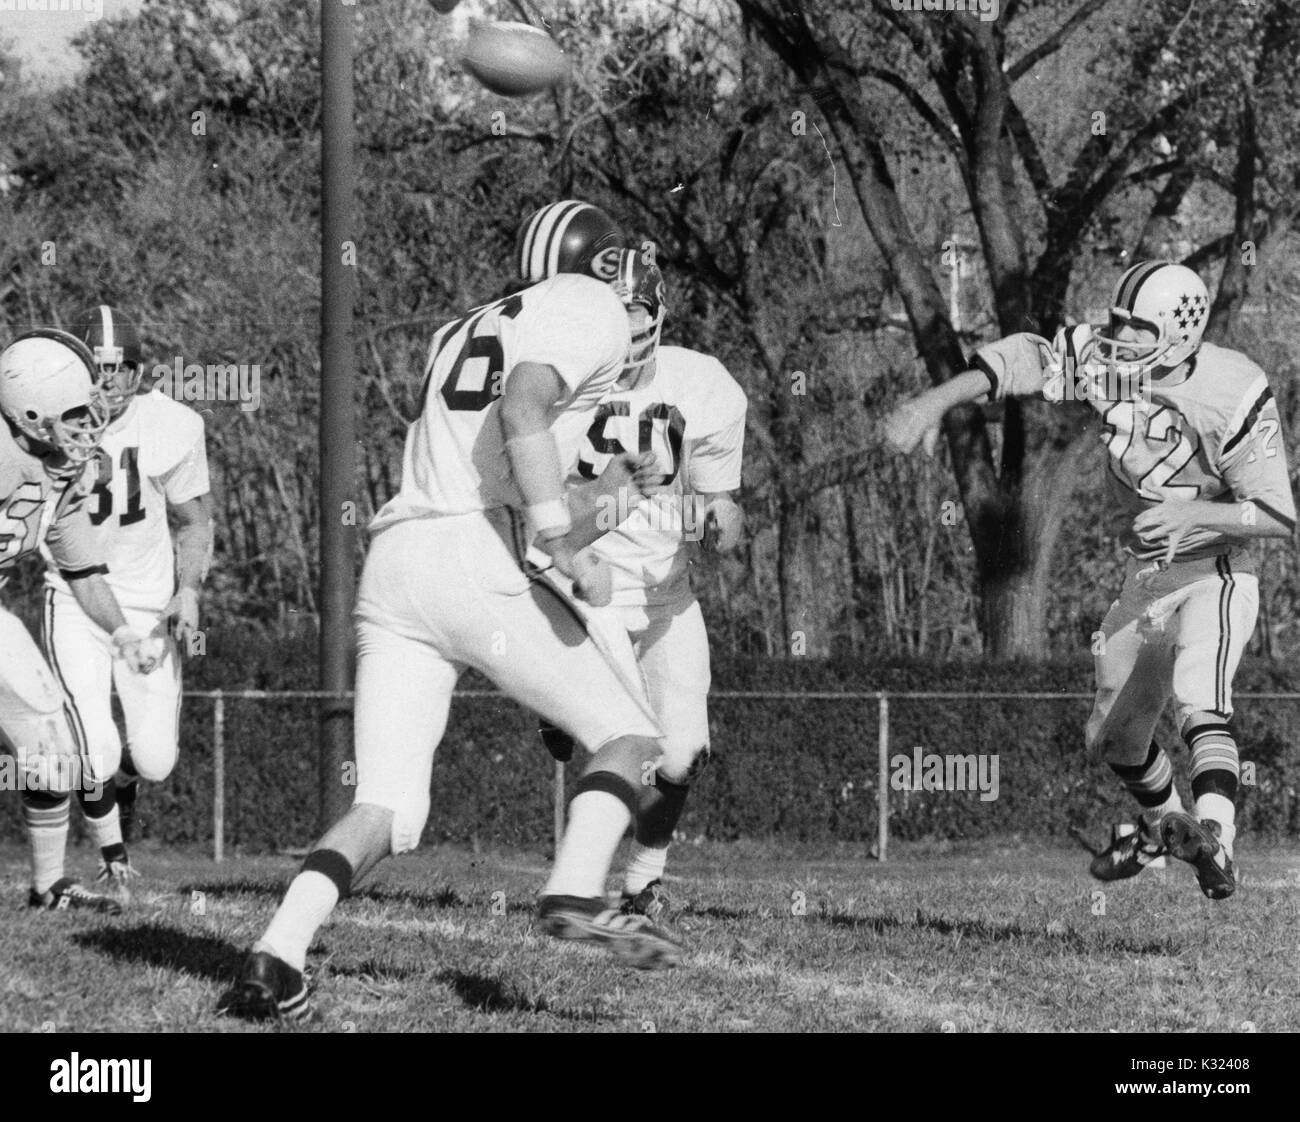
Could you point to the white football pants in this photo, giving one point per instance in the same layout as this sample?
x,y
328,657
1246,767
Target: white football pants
x,y
1177,633
438,595
81,655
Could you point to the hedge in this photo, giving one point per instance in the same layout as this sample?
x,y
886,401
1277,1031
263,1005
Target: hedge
x,y
800,769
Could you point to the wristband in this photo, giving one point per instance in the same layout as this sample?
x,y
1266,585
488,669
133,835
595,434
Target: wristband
x,y
549,519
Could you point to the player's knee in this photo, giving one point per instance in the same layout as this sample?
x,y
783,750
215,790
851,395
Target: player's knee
x,y
103,757
622,768
47,753
153,760
1118,749
683,767
95,798
44,800
408,823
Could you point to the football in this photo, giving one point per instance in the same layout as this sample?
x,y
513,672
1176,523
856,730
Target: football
x,y
514,59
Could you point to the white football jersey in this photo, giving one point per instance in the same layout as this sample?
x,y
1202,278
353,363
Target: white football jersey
x,y
38,512
691,415
1214,435
152,455
455,459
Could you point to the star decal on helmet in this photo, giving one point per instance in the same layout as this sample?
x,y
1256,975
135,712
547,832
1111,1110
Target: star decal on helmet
x,y
1191,310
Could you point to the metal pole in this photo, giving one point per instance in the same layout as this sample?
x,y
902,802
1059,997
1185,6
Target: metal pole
x,y
559,804
337,431
882,781
954,285
219,779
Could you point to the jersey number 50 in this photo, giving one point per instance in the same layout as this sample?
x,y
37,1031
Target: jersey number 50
x,y
667,420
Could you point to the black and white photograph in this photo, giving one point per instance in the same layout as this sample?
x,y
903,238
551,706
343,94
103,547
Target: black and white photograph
x,y
882,616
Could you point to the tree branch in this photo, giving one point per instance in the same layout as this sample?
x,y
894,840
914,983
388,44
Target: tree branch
x,y
1053,42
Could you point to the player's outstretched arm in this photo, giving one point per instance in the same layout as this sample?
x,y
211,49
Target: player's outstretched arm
x,y
1020,365
917,420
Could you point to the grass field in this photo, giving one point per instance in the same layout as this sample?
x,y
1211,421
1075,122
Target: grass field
x,y
967,939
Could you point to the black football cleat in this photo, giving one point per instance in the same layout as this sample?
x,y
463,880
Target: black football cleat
x,y
652,902
67,895
558,742
632,938
1198,844
267,989
1128,854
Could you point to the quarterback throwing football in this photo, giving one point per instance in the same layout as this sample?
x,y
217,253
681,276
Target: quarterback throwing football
x,y
1196,461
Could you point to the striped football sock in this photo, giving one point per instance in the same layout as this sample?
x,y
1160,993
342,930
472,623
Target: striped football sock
x,y
46,817
1216,770
1151,782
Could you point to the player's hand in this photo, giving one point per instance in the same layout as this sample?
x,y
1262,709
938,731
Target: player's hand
x,y
591,577
142,653
635,473
724,522
182,616
914,422
1173,519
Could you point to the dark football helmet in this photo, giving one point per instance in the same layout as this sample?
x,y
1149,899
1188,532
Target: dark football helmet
x,y
114,341
568,237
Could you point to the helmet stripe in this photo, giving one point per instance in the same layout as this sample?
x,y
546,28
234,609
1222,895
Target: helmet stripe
x,y
550,258
1132,281
525,246
536,251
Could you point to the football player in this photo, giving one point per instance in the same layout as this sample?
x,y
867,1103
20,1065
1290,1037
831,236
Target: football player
x,y
684,409
445,586
54,419
150,471
1197,465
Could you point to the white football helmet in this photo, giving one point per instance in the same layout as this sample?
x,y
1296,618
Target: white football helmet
x,y
49,393
1165,298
